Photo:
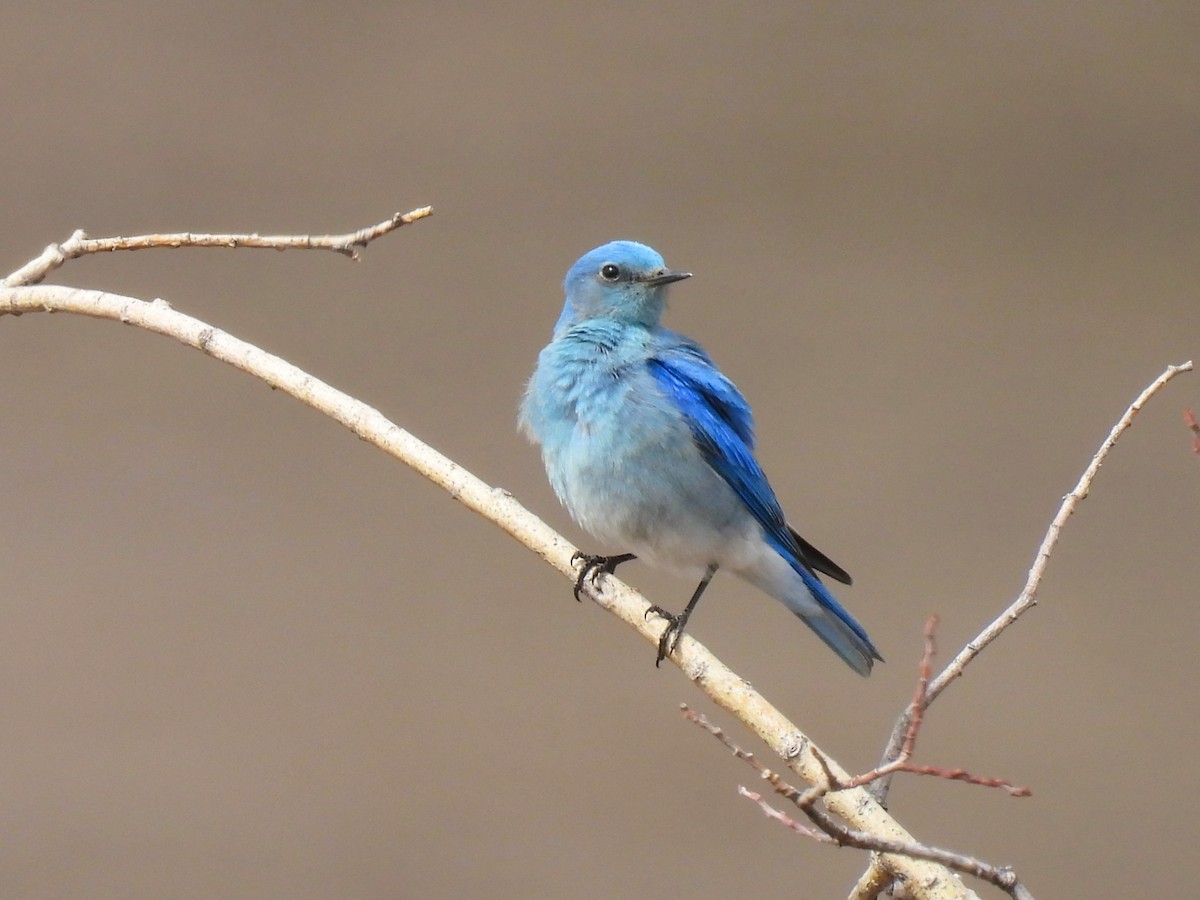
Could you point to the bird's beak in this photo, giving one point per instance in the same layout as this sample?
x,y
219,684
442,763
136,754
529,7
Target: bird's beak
x,y
666,276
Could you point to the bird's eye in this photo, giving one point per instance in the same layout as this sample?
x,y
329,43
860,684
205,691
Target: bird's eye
x,y
610,271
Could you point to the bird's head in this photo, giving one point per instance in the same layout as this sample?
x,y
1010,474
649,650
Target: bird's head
x,y
621,280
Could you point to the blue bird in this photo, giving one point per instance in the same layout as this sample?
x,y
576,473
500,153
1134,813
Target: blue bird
x,y
651,448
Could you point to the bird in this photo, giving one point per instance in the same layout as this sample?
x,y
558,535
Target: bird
x,y
650,447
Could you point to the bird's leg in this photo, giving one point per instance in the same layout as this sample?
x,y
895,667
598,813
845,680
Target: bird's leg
x,y
594,565
675,623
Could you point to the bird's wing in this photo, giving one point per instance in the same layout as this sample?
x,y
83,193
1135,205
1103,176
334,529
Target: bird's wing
x,y
690,377
819,561
723,428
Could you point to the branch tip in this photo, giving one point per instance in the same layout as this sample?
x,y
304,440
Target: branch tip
x,y
79,244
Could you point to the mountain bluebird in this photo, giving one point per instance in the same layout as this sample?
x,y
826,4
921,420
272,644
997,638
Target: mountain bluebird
x,y
651,449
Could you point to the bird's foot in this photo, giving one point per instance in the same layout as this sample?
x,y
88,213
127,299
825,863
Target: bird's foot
x,y
593,566
668,640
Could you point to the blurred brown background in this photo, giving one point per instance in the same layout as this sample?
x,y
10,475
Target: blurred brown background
x,y
939,246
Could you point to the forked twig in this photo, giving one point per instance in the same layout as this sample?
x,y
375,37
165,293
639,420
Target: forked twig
x,y
916,717
1027,599
831,830
79,244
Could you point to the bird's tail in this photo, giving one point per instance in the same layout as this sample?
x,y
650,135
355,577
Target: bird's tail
x,y
837,628
803,593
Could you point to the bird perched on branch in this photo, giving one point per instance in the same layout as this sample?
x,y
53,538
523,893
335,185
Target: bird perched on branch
x,y
651,449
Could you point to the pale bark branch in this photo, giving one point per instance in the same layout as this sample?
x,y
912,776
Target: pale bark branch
x,y
927,880
1027,599
79,244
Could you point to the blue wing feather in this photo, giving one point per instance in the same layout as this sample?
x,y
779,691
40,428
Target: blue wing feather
x,y
692,378
723,429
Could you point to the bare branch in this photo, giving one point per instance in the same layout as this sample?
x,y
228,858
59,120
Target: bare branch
x,y
929,880
873,884
79,244
787,821
832,830
1027,599
916,717
1028,596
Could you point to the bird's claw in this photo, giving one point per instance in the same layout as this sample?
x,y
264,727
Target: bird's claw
x,y
590,571
593,565
669,639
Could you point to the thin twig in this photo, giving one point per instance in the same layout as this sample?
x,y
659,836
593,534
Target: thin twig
x,y
79,244
916,717
832,830
1028,596
930,881
1002,877
784,819
1027,599
1194,427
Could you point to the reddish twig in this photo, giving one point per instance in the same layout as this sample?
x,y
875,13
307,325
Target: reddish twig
x,y
1195,428
829,829
832,831
783,818
916,716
